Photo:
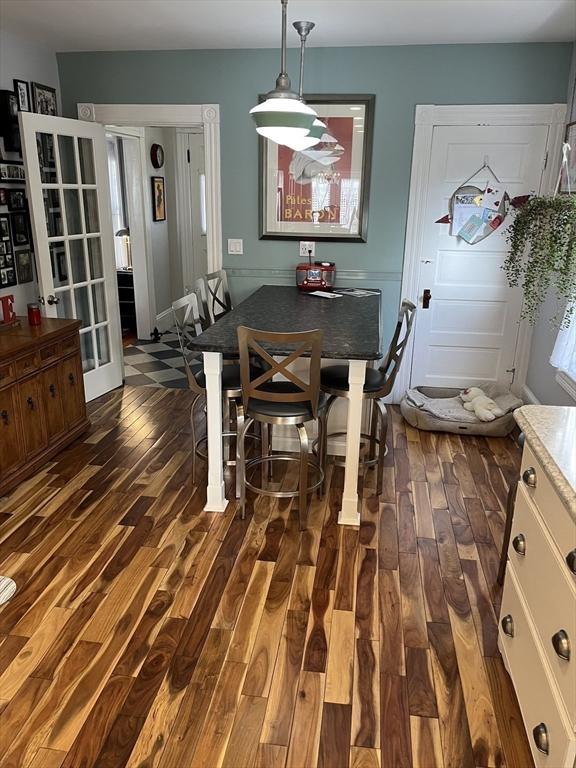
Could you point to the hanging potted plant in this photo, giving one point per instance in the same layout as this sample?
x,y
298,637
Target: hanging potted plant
x,y
542,255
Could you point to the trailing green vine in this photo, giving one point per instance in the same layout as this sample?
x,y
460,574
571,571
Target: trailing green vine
x,y
542,239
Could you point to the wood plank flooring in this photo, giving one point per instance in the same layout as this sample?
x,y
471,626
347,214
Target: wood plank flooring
x,y
147,632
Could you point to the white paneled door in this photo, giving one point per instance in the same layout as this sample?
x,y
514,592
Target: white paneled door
x,y
468,333
67,181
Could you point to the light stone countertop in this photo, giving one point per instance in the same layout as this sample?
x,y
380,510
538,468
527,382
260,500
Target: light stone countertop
x,y
551,432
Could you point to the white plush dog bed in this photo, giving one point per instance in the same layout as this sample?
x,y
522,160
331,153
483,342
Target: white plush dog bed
x,y
437,409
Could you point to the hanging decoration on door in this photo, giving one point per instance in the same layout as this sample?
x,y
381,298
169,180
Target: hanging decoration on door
x,y
476,213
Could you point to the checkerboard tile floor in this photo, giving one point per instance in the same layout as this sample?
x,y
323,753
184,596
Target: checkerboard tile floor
x,y
155,364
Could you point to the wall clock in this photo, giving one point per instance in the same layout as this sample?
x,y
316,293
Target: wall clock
x,y
157,155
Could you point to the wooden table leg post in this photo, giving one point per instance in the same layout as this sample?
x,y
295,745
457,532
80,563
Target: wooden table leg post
x,y
350,514
215,495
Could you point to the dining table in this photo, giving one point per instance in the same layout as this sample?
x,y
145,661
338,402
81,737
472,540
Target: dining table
x,y
351,331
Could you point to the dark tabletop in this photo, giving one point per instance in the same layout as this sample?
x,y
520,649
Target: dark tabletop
x,y
351,325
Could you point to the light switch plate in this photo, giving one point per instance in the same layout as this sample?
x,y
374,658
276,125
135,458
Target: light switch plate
x,y
235,246
305,246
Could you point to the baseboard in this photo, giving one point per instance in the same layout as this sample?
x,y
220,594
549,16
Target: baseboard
x,y
529,397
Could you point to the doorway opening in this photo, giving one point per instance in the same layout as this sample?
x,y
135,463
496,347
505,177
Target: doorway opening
x,y
158,199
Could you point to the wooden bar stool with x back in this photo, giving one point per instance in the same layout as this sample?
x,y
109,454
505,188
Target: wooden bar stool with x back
x,y
378,384
288,401
214,296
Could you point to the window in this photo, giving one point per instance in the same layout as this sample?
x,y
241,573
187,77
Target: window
x,y
564,357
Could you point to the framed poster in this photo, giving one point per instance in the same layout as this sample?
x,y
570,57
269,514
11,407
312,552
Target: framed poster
x,y
568,174
44,99
22,95
158,199
20,230
24,266
320,193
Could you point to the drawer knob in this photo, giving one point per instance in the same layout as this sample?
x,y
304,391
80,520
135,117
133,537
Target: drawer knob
x,y
519,544
508,625
52,389
561,644
30,402
71,378
571,561
541,740
4,417
529,477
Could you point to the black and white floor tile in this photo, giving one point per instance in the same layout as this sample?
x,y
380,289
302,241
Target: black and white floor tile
x,y
155,364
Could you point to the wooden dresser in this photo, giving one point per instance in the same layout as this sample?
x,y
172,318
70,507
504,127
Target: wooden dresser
x,y
42,406
537,633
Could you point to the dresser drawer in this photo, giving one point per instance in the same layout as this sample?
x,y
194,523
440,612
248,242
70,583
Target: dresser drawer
x,y
27,364
7,374
69,344
49,353
558,519
538,700
549,591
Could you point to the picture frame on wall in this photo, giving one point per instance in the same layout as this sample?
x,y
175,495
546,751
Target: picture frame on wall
x,y
20,229
44,99
321,193
5,231
12,171
158,199
16,199
568,174
3,196
24,267
22,93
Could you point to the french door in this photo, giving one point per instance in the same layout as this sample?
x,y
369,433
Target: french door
x,y
67,181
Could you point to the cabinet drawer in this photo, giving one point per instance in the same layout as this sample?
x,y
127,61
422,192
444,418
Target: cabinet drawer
x,y
557,518
49,353
70,344
27,364
536,695
549,591
7,374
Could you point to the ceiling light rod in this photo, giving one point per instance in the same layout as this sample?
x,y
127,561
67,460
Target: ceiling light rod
x,y
303,28
283,85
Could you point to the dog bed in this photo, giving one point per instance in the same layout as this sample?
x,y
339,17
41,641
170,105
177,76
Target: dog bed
x,y
438,409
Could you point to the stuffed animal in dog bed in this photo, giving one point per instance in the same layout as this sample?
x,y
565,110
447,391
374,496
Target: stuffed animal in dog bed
x,y
483,406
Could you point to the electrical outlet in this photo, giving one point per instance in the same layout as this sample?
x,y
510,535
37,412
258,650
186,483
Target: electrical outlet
x,y
305,246
235,246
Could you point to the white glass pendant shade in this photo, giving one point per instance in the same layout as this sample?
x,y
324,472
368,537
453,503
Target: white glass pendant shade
x,y
313,137
283,119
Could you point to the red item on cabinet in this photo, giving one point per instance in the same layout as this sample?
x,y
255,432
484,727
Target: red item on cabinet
x,y
34,316
8,314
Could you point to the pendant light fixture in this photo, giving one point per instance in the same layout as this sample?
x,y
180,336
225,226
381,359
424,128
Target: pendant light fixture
x,y
283,117
299,143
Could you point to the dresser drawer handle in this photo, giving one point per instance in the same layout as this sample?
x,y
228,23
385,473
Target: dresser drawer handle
x,y
52,389
561,644
5,418
519,544
571,560
541,740
508,625
30,402
529,477
71,378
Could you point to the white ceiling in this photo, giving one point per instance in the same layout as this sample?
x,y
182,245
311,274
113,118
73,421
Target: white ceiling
x,y
84,25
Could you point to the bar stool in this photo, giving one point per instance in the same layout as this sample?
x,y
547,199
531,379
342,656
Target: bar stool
x,y
188,325
378,384
214,296
291,401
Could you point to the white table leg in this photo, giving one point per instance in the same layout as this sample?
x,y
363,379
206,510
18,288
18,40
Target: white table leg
x,y
215,496
350,514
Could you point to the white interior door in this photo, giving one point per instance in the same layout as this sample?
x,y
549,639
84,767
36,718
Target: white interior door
x,y
469,333
67,181
191,200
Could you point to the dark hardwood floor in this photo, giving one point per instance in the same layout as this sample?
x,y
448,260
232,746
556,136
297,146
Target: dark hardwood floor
x,y
147,632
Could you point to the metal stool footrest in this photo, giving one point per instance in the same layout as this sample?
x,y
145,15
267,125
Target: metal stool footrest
x,y
312,465
363,436
229,462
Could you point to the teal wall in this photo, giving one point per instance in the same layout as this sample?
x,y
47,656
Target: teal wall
x,y
401,77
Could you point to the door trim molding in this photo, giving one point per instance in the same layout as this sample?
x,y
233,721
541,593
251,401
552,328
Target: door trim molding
x,y
177,116
427,117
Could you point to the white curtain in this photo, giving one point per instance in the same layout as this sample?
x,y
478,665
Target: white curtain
x,y
564,354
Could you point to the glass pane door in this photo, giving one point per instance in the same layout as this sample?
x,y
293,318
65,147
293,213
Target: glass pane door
x,y
68,189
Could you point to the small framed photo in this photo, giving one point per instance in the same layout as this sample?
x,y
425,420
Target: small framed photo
x,y
3,196
44,99
568,174
24,266
16,200
5,229
7,277
9,258
20,231
2,261
158,199
22,92
2,249
12,171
